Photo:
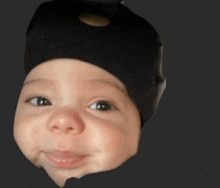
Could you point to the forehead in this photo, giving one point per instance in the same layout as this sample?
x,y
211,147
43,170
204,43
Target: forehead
x,y
70,71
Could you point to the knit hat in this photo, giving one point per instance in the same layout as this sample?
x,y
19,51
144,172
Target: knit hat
x,y
125,45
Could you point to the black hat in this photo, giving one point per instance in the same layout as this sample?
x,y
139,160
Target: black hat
x,y
127,46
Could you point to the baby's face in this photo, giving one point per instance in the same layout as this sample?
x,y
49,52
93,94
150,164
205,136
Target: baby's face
x,y
74,118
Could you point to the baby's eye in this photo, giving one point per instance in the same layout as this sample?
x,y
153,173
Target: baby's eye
x,y
103,106
39,101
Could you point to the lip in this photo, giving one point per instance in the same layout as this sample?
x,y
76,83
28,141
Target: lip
x,y
64,159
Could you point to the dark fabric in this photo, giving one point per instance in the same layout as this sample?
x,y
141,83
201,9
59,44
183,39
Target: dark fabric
x,y
129,47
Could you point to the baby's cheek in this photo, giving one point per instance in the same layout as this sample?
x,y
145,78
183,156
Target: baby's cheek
x,y
115,149
115,141
26,136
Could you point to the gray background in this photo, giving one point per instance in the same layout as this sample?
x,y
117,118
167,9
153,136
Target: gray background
x,y
180,145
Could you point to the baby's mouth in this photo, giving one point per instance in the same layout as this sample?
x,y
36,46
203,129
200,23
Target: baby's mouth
x,y
64,159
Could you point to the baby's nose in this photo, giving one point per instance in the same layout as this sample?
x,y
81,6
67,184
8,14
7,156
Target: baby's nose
x,y
65,121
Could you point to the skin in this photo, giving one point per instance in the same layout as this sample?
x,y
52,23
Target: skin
x,y
68,119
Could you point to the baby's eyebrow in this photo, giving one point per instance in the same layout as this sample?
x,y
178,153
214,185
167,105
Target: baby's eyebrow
x,y
112,84
106,82
29,82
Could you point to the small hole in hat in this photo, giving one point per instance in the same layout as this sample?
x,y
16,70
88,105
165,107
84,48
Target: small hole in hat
x,y
94,20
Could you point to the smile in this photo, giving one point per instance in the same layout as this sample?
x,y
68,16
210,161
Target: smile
x,y
61,159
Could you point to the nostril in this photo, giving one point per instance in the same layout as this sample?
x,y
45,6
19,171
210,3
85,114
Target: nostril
x,y
67,128
70,129
55,127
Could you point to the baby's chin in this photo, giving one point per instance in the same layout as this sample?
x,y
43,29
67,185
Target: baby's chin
x,y
90,164
61,176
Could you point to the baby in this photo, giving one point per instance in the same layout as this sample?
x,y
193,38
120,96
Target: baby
x,y
93,80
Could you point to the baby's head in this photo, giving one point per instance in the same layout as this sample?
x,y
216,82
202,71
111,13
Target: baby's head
x,y
71,105
90,87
